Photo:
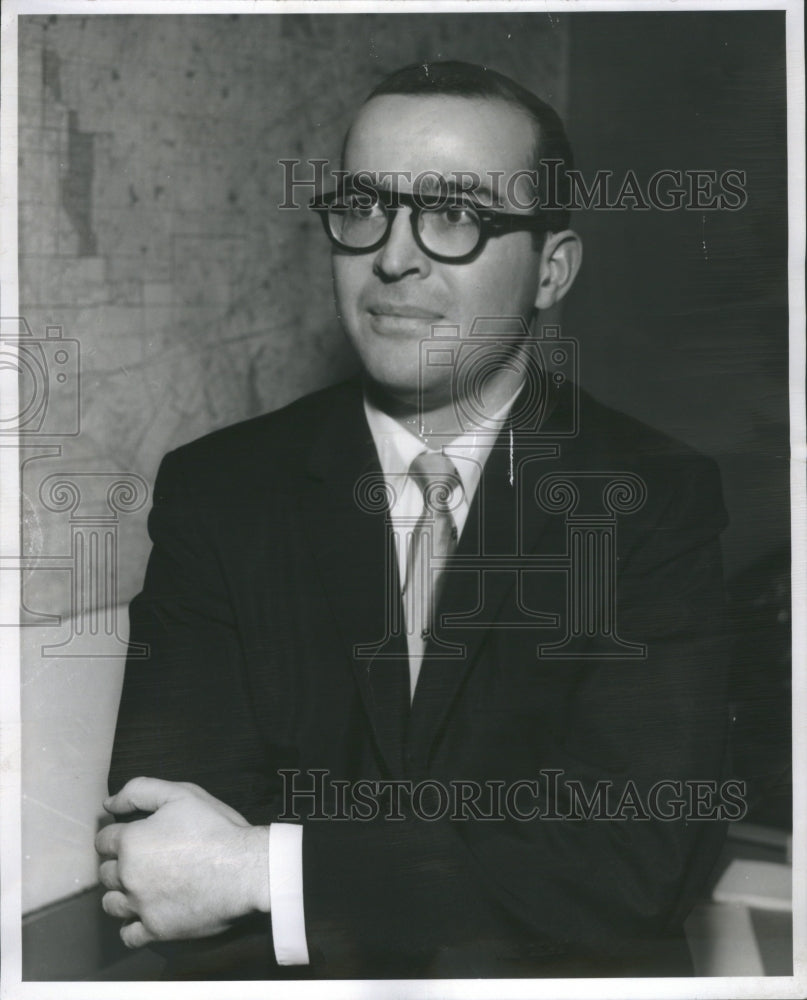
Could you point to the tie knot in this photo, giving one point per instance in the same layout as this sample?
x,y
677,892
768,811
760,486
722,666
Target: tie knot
x,y
438,481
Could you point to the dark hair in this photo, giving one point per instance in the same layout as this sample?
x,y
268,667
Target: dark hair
x,y
463,79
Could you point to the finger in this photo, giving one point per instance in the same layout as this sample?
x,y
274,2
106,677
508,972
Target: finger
x,y
107,842
143,795
135,935
109,876
117,905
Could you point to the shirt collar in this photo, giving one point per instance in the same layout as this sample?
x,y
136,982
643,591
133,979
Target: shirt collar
x,y
397,447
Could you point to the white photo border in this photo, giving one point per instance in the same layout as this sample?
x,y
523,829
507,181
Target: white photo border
x,y
10,783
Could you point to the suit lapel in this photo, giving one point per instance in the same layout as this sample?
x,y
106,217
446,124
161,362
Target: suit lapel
x,y
346,516
344,505
503,524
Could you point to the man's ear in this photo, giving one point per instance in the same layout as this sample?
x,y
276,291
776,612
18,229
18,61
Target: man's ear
x,y
560,261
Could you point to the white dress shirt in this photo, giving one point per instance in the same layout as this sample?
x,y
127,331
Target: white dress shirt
x,y
397,447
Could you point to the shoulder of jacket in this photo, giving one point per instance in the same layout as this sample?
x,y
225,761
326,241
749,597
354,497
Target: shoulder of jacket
x,y
279,438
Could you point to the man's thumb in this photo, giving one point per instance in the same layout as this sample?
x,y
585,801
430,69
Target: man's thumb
x,y
141,795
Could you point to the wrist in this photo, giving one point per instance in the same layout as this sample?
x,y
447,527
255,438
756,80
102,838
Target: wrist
x,y
257,868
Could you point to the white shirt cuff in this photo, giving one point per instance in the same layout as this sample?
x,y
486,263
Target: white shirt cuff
x,y
286,893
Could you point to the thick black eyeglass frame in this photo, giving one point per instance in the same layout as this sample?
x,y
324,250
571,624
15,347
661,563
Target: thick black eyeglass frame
x,y
491,223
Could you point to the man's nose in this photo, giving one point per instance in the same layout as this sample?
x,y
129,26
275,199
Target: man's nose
x,y
400,255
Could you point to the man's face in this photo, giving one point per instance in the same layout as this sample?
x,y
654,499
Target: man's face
x,y
390,299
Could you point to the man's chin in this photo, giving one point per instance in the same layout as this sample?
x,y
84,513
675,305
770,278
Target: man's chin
x,y
392,395
404,396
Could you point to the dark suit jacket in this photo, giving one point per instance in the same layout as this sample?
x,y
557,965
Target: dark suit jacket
x,y
267,570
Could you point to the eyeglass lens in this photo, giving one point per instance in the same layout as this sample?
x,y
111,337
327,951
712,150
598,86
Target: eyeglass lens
x,y
450,230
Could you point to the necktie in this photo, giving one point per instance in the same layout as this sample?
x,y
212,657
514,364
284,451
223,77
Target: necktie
x,y
434,537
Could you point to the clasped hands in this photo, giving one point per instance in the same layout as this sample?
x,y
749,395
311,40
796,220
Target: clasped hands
x,y
188,870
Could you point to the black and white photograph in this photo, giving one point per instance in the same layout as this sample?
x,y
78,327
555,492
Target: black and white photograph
x,y
403,513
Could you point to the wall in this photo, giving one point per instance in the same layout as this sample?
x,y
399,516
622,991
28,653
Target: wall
x,y
682,316
150,236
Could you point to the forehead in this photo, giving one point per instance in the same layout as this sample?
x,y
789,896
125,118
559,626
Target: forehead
x,y
441,133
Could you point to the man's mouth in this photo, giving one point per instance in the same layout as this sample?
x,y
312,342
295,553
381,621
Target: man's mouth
x,y
403,311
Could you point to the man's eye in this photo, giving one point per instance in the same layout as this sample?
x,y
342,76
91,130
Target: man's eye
x,y
456,215
362,208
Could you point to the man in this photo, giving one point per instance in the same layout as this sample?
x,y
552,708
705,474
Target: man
x,y
469,627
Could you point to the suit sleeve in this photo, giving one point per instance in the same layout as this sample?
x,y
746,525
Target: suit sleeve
x,y
566,897
184,714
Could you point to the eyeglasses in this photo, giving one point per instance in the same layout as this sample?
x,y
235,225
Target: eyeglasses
x,y
452,232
